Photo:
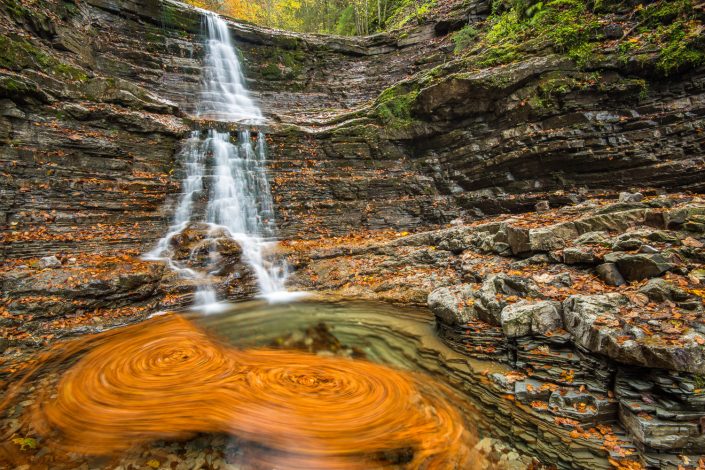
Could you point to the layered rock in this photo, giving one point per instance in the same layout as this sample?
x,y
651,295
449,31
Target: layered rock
x,y
585,353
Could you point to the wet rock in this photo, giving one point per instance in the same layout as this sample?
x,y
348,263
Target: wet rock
x,y
660,290
452,305
635,267
524,318
49,262
610,275
630,197
542,206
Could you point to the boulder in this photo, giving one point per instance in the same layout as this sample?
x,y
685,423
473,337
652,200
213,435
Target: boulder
x,y
542,206
592,238
630,197
610,275
596,325
627,244
488,305
660,290
518,239
635,267
553,237
524,318
49,262
575,255
452,305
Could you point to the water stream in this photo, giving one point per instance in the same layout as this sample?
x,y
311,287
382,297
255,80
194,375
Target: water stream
x,y
302,385
230,168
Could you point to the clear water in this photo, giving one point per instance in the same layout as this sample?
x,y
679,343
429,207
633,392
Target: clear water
x,y
231,168
356,331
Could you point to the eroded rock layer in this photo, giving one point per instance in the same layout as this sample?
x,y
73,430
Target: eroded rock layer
x,y
598,308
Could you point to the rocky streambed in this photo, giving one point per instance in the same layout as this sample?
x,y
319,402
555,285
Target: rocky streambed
x,y
335,337
596,308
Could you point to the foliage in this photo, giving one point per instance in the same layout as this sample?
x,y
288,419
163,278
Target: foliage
x,y
672,28
464,38
668,33
25,443
344,17
394,105
408,11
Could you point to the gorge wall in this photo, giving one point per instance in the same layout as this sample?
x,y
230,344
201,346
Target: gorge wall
x,y
120,78
385,133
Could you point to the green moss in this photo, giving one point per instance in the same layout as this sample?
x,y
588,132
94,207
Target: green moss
x,y
271,72
664,12
394,105
679,46
699,381
16,9
669,36
70,72
562,24
464,38
178,18
279,63
19,54
11,85
502,54
409,11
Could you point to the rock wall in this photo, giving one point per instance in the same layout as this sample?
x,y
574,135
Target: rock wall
x,y
475,142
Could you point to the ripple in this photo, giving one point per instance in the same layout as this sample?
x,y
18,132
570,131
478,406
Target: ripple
x,y
167,379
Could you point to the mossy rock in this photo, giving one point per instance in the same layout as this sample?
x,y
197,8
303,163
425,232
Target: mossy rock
x,y
20,90
19,54
179,18
394,107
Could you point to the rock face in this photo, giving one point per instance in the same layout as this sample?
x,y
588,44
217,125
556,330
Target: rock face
x,y
525,318
450,304
97,96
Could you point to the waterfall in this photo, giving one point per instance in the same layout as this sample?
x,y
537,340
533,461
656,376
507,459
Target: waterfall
x,y
231,169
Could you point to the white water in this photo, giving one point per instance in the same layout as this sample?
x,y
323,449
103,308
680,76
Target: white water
x,y
232,170
224,96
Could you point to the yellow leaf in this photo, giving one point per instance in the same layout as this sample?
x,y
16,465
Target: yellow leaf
x,y
25,442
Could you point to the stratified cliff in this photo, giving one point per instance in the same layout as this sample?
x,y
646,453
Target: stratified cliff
x,y
106,88
393,132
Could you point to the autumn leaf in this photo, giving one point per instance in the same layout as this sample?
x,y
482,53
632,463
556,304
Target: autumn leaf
x,y
25,442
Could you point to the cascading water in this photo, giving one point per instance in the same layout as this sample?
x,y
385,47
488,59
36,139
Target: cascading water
x,y
233,172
